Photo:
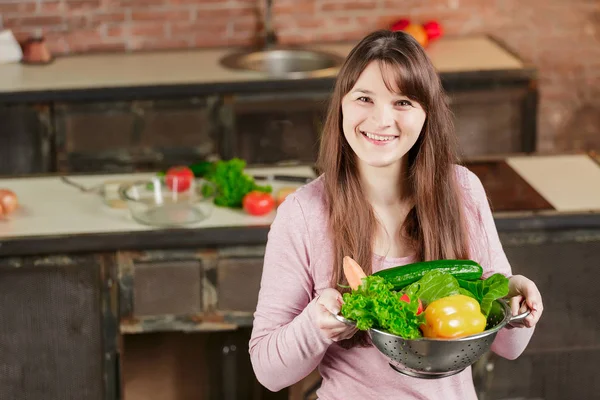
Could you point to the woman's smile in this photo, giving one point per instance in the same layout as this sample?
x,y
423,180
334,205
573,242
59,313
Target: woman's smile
x,y
378,139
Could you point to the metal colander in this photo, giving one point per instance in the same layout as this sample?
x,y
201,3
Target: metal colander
x,y
439,358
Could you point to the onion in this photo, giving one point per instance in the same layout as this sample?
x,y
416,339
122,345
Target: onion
x,y
8,201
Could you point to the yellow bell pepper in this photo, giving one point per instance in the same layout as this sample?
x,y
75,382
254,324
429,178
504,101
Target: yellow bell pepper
x,y
453,317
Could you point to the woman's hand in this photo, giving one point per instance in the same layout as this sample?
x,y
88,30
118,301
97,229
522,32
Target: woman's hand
x,y
524,294
330,301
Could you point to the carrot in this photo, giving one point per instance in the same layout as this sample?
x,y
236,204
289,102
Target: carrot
x,y
353,272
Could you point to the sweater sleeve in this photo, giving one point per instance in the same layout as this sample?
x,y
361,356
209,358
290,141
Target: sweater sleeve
x,y
286,344
487,250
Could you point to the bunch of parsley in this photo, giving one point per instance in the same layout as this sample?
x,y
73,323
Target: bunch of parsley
x,y
231,182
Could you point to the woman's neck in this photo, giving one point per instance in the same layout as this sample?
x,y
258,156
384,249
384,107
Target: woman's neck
x,y
385,186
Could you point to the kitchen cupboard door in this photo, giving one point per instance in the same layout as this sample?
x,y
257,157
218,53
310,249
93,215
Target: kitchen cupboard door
x,y
58,331
142,135
26,137
494,121
277,128
562,359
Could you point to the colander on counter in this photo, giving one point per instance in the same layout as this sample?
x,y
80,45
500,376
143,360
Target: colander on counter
x,y
439,358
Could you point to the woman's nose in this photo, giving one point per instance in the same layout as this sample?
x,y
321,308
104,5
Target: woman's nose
x,y
383,116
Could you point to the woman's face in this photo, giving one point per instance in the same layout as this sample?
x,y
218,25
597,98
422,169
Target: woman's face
x,y
380,126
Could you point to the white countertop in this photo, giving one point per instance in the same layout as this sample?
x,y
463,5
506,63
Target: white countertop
x,y
570,182
48,206
449,54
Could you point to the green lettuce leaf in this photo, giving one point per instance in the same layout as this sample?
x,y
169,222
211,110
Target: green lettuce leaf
x,y
375,305
432,286
486,291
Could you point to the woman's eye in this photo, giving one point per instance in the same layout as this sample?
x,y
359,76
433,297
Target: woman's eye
x,y
364,99
404,103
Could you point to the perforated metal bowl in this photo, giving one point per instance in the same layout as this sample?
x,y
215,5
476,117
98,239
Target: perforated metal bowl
x,y
439,358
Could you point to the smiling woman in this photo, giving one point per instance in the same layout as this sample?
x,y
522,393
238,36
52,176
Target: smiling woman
x,y
390,194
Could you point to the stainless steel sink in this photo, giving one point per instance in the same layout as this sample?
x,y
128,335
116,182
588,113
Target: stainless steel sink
x,y
289,63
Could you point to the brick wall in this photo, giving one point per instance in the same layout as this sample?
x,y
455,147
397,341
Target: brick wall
x,y
561,37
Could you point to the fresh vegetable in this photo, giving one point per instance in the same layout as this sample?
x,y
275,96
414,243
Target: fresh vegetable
x,y
433,30
404,275
258,203
485,291
353,272
374,304
179,178
8,202
406,299
232,183
400,24
453,317
434,285
418,32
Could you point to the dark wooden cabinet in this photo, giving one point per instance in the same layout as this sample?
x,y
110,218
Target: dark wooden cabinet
x,y
489,122
26,134
278,128
58,331
140,135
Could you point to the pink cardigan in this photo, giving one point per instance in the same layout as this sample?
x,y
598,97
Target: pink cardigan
x,y
286,345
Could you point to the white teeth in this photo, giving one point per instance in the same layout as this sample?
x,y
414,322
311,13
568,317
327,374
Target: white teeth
x,y
377,137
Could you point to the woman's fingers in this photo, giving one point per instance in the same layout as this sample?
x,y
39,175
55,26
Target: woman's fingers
x,y
331,299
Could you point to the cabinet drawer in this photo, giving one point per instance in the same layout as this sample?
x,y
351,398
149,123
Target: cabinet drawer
x,y
170,287
490,122
238,283
136,135
278,128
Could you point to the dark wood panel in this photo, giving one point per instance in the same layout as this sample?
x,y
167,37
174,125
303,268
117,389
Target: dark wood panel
x,y
25,134
547,376
565,268
275,128
167,288
124,136
489,122
506,190
238,283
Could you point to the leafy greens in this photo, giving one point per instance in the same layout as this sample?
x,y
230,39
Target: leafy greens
x,y
375,305
486,291
432,286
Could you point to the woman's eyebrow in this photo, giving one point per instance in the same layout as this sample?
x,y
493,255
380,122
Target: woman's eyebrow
x,y
365,91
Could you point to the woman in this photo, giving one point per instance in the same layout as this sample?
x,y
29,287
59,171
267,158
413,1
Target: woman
x,y
390,194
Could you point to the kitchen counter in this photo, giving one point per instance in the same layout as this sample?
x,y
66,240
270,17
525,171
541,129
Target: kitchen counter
x,y
525,191
199,71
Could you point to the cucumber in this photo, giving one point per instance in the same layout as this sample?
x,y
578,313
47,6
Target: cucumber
x,y
404,275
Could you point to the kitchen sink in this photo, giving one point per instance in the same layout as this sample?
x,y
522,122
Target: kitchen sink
x,y
288,63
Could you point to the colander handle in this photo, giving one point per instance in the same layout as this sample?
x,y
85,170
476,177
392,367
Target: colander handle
x,y
344,320
519,318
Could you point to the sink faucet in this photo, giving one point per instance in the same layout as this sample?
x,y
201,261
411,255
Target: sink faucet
x,y
270,37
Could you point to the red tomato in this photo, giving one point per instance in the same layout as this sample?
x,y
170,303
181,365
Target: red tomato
x,y
258,203
179,179
406,299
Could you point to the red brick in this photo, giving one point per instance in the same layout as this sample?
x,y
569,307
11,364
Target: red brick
x,y
216,27
77,5
160,15
36,21
51,7
22,7
351,5
148,29
293,7
161,44
108,16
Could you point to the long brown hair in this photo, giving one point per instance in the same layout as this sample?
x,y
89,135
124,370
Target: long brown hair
x,y
435,225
